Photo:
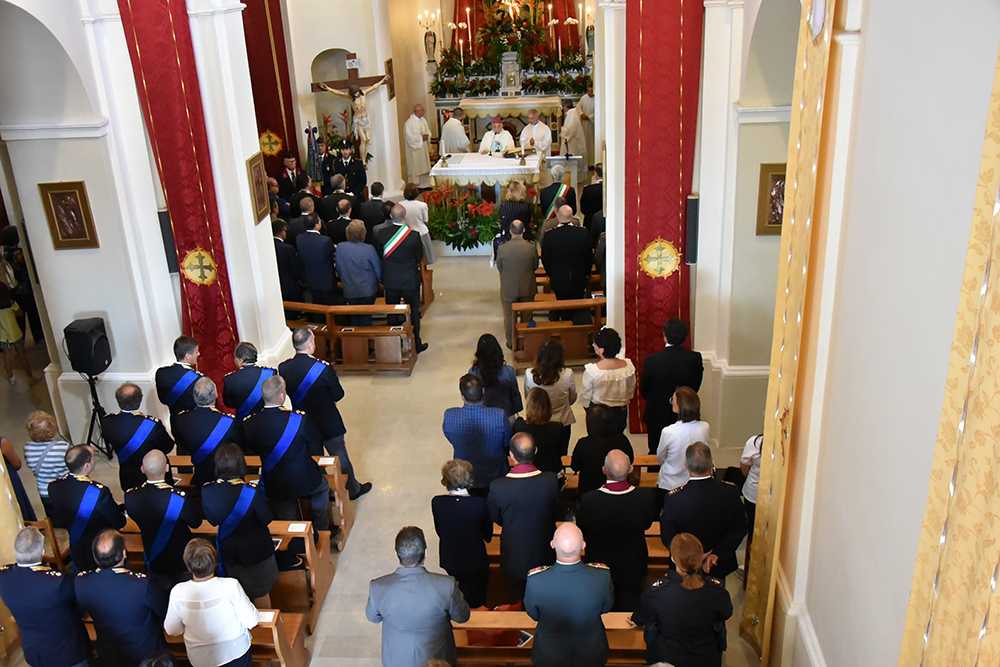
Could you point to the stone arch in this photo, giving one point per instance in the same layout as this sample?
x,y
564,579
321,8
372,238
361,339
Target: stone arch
x,y
329,65
769,63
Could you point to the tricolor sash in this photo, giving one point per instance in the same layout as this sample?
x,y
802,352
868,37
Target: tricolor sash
x,y
166,529
214,438
307,382
255,395
560,193
396,240
137,440
87,504
232,520
284,442
181,386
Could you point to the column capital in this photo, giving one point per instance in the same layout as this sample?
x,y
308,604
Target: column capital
x,y
210,7
611,4
723,3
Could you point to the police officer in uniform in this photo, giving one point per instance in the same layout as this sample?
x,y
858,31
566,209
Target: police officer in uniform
x,y
284,439
82,506
353,171
127,608
43,603
709,509
245,549
165,517
201,430
325,160
315,389
241,388
133,434
567,599
175,383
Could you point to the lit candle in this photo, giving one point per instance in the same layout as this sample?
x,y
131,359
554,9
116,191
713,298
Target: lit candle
x,y
461,51
559,42
468,26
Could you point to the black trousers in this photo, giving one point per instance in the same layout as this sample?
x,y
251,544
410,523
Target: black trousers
x,y
411,297
473,585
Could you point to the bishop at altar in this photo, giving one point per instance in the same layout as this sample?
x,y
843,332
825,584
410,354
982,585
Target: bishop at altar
x,y
497,139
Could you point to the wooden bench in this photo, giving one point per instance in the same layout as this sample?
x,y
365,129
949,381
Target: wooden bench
x,y
378,347
427,287
530,333
659,555
642,463
625,640
57,553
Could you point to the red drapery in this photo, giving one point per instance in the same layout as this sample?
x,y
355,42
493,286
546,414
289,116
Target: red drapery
x,y
561,10
159,43
269,78
664,68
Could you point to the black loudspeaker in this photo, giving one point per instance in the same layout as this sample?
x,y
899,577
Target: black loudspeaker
x,y
87,346
691,255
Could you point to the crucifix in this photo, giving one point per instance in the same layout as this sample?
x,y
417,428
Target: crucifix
x,y
356,88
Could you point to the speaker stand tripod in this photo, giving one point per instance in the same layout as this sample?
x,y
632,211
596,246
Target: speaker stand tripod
x,y
97,413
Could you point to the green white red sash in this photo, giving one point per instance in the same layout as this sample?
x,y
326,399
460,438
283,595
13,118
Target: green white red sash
x,y
560,193
397,240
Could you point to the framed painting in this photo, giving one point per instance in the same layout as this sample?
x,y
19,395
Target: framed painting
x,y
259,194
67,210
771,199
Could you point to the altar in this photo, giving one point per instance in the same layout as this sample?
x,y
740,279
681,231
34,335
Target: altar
x,y
475,168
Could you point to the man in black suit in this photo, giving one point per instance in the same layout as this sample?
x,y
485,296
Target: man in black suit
x,y
291,179
325,160
328,206
556,194
353,171
300,224
402,251
524,504
708,509
175,383
337,229
662,373
592,197
316,252
289,270
133,435
568,257
296,205
373,212
200,431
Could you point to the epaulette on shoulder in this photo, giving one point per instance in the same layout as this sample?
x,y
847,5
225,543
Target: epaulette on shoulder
x,y
229,373
123,570
659,582
183,412
253,483
677,490
84,573
250,416
97,484
536,570
4,568
726,481
45,569
301,412
599,566
713,581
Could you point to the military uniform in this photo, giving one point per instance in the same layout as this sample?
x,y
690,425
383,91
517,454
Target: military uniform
x,y
149,505
353,171
128,612
326,170
175,387
241,383
711,511
65,497
199,433
567,600
43,603
685,627
121,430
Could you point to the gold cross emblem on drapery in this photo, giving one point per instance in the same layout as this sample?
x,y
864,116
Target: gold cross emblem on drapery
x,y
270,143
199,267
659,259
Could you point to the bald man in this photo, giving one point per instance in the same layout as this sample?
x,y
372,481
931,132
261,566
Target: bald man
x,y
567,256
165,517
614,519
131,433
567,599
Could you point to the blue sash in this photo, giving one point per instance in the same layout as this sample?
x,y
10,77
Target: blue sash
x,y
186,381
255,396
307,382
284,442
213,439
229,524
137,440
87,504
174,506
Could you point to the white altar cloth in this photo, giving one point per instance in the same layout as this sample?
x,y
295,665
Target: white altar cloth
x,y
474,168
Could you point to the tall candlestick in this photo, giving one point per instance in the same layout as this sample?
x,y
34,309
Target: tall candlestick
x,y
559,42
468,26
461,51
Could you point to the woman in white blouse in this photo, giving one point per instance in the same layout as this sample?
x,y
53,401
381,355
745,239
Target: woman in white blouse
x,y
550,374
609,381
213,613
675,439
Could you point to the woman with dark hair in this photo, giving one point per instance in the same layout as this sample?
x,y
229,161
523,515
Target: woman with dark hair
x,y
463,525
550,373
603,435
548,435
609,381
499,378
675,439
684,613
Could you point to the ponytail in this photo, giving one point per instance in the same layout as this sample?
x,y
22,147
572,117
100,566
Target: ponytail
x,y
688,554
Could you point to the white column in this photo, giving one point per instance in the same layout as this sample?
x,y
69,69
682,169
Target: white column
x,y
227,99
612,103
721,68
385,121
598,75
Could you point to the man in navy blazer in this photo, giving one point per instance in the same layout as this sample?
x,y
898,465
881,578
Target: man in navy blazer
x,y
316,253
479,434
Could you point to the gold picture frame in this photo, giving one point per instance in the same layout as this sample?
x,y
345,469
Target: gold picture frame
x,y
260,197
771,198
67,210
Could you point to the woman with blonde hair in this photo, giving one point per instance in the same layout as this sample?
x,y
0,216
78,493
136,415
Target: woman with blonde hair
x,y
548,435
45,452
684,613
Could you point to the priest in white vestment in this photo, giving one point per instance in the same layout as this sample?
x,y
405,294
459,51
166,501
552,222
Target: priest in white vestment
x,y
418,160
496,140
453,136
586,105
573,139
537,136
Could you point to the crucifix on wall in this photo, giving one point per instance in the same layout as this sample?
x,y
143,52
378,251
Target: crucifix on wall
x,y
356,88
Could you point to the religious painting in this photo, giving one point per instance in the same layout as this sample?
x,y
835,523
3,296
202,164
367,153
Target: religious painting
x,y
771,199
68,212
259,194
390,83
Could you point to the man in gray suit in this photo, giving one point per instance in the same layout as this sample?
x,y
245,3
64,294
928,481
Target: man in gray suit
x,y
517,260
416,607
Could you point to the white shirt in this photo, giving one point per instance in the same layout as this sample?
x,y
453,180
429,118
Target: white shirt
x,y
614,387
751,455
214,616
496,143
671,452
542,135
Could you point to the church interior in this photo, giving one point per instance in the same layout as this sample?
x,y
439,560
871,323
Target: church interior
x,y
704,287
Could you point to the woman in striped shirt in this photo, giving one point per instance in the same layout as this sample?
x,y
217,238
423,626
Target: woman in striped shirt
x,y
45,452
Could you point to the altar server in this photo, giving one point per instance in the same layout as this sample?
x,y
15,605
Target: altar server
x,y
574,139
418,160
586,107
453,136
536,135
496,140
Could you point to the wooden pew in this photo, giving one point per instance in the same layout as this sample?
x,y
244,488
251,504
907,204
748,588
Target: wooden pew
x,y
427,287
659,555
626,643
544,283
642,463
530,332
379,347
56,553
299,591
344,518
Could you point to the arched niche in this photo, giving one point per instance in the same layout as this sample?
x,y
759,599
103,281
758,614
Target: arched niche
x,y
769,65
331,65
